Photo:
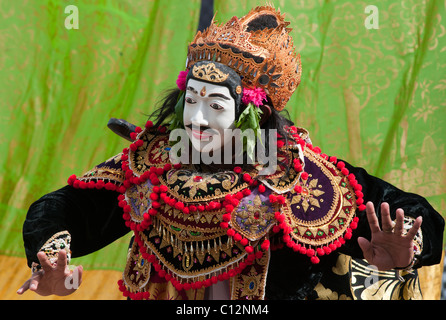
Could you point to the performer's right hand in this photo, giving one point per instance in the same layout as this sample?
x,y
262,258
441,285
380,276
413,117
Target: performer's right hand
x,y
58,279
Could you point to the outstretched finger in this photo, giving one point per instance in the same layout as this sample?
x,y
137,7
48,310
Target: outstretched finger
x,y
34,281
399,224
415,227
24,287
371,217
386,220
44,261
61,260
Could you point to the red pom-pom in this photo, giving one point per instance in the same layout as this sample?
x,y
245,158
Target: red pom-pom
x,y
304,175
237,170
281,199
265,245
320,251
279,217
133,147
315,260
71,179
154,196
340,165
249,249
262,188
298,188
179,205
310,252
149,124
238,237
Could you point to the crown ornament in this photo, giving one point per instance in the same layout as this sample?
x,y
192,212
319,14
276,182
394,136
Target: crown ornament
x,y
209,72
263,58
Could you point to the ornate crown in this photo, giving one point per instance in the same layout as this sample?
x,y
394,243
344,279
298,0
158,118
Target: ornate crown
x,y
263,58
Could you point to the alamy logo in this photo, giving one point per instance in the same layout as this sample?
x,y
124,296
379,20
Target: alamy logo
x,y
372,21
72,20
233,151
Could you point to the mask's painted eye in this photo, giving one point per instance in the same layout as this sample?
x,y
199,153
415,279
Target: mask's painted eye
x,y
216,106
190,100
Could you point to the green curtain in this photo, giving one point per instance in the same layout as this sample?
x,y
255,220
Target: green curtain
x,y
374,97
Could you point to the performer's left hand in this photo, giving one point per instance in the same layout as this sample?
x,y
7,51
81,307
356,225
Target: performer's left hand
x,y
388,248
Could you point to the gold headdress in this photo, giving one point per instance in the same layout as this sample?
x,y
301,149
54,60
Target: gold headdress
x,y
263,58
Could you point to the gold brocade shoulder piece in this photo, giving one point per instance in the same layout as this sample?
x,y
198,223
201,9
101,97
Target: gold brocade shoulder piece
x,y
153,152
322,212
283,181
108,175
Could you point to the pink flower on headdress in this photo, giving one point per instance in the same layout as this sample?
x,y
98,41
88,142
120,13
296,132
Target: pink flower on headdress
x,y
181,80
254,95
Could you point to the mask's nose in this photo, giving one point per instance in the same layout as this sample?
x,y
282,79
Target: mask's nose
x,y
199,118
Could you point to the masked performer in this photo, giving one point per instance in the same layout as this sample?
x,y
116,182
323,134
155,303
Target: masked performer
x,y
213,221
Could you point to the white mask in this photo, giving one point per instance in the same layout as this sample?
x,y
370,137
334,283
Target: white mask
x,y
209,109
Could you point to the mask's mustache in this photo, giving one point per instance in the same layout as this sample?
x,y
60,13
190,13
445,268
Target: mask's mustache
x,y
202,128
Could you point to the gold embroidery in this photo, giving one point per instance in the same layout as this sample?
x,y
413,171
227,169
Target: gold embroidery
x,y
255,215
250,283
309,195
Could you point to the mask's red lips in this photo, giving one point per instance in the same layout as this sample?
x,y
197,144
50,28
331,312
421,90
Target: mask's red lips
x,y
200,135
